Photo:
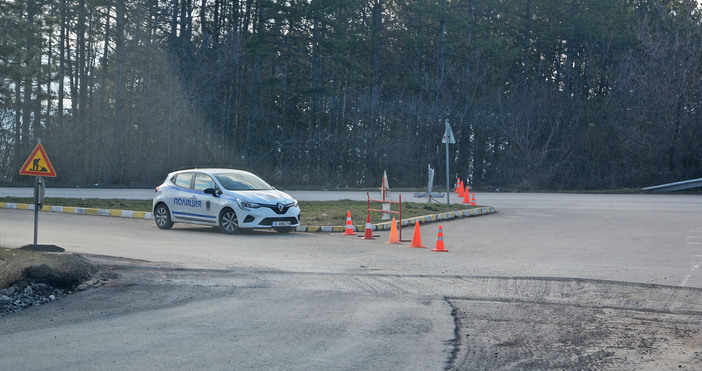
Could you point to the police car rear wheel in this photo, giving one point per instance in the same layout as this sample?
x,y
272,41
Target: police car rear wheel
x,y
228,221
163,217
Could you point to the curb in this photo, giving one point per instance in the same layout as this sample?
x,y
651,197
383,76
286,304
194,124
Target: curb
x,y
80,210
407,222
148,215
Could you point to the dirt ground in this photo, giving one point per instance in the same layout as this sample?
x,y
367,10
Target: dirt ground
x,y
37,274
45,264
532,335
568,324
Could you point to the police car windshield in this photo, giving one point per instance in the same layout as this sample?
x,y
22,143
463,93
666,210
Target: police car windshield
x,y
242,182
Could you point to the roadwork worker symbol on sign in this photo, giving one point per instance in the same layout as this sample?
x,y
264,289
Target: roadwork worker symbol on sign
x,y
38,164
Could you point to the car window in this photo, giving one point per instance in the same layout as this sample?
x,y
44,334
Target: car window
x,y
241,181
183,180
203,181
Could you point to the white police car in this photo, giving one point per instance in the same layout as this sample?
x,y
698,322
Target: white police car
x,y
230,199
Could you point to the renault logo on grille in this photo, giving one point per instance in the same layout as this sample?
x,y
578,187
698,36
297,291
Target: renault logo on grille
x,y
280,206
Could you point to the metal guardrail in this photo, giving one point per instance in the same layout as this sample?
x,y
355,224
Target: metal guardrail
x,y
677,186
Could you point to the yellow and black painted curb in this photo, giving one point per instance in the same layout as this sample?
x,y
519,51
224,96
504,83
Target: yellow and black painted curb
x,y
80,210
148,215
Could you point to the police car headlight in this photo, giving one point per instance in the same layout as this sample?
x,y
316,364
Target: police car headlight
x,y
247,204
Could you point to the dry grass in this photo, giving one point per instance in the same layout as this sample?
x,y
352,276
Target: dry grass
x,y
56,269
333,213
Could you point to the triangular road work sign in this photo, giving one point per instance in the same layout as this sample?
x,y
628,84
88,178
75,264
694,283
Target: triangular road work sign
x,y
448,135
38,164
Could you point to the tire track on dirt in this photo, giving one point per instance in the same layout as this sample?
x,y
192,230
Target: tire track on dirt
x,y
556,290
548,322
498,322
694,240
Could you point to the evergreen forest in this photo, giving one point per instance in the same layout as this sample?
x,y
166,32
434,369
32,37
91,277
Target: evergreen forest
x,y
540,94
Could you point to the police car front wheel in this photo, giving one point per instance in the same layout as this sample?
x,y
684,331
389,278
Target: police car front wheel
x,y
228,221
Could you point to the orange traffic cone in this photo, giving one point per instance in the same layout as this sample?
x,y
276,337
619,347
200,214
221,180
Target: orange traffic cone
x,y
348,231
417,237
369,230
472,203
466,196
440,242
393,233
460,190
458,186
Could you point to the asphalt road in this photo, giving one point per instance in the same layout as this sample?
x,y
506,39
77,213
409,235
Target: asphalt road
x,y
550,281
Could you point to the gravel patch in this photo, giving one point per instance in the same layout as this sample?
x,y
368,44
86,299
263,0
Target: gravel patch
x,y
27,294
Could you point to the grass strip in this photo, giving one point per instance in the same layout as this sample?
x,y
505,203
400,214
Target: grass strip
x,y
332,213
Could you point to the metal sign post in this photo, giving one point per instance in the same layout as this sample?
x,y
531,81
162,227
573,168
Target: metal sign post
x,y
448,139
38,186
38,165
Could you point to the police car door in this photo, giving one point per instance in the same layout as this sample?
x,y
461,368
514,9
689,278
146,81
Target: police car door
x,y
179,200
209,205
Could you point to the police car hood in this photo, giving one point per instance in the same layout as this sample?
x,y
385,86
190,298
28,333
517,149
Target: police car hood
x,y
267,197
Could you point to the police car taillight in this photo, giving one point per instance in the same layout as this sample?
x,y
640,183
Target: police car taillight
x,y
156,191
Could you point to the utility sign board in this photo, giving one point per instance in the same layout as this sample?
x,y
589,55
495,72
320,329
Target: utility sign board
x,y
38,164
448,135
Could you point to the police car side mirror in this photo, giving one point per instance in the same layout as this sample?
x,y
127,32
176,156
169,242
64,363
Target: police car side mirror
x,y
211,191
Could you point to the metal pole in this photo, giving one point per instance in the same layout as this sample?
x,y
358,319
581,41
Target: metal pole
x,y
36,202
36,207
448,185
400,217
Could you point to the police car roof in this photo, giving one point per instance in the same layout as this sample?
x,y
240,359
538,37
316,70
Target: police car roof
x,y
211,170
